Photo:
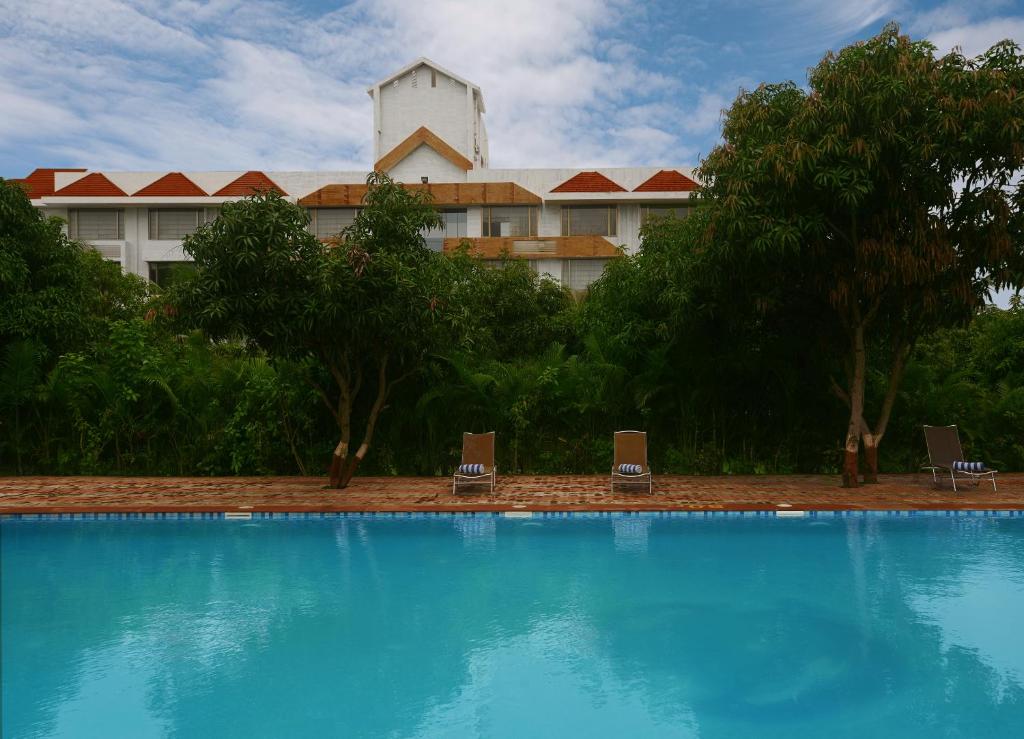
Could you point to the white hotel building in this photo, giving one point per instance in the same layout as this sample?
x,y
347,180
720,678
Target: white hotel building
x,y
428,132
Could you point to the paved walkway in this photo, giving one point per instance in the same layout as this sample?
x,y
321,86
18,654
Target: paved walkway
x,y
526,493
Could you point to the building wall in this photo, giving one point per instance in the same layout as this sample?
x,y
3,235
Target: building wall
x,y
443,109
452,110
425,162
137,250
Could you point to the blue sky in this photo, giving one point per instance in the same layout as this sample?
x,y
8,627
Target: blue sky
x,y
257,84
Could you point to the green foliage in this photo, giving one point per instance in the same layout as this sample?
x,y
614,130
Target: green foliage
x,y
363,310
53,291
883,196
885,200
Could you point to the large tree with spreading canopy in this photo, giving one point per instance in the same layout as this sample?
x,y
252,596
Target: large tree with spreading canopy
x,y
885,198
363,310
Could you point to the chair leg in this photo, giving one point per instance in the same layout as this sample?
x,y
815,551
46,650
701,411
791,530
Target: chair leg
x,y
992,477
953,476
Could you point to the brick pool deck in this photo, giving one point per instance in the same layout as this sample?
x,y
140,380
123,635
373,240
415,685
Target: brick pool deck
x,y
522,493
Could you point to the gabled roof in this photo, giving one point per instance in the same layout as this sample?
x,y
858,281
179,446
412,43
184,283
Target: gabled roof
x,y
422,136
92,185
667,180
589,182
248,184
41,182
424,61
172,184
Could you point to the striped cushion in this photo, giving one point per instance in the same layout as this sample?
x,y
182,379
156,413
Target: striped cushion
x,y
969,466
471,469
630,469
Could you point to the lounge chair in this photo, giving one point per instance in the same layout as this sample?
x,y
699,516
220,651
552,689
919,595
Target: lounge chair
x,y
630,462
945,453
477,461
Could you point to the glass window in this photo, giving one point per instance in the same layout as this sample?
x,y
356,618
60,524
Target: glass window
x,y
647,212
167,273
174,224
586,220
453,226
94,224
510,221
328,222
578,274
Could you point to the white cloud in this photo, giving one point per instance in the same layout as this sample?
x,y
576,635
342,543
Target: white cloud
x,y
233,84
976,38
258,83
973,26
707,114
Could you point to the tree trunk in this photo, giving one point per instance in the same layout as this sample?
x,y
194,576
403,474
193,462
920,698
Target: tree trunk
x,y
870,457
337,465
342,468
873,438
850,460
856,395
344,418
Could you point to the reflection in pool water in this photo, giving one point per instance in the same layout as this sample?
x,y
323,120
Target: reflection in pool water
x,y
486,626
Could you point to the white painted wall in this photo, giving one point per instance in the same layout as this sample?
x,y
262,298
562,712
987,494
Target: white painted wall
x,y
474,221
425,162
442,109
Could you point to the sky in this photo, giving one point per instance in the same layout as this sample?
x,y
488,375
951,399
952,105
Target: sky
x,y
274,85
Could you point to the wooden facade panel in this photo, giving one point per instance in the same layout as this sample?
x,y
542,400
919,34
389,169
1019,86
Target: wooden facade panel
x,y
422,136
444,193
537,247
335,196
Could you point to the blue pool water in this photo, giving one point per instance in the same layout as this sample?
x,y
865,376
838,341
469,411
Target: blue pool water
x,y
458,626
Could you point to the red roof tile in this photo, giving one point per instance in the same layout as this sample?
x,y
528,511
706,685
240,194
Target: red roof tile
x,y
249,183
41,182
92,185
668,180
589,182
172,184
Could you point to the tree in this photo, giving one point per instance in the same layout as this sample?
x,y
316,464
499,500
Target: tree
x,y
885,199
56,296
514,311
368,306
54,291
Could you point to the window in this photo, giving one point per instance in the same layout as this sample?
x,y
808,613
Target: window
x,y
578,274
585,220
510,221
328,222
453,226
647,212
165,274
93,224
174,224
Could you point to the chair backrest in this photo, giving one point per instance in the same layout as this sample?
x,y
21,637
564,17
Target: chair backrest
x,y
630,448
943,445
478,449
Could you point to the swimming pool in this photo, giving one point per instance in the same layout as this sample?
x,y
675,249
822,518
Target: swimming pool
x,y
485,625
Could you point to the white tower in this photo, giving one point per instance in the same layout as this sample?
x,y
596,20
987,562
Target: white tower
x,y
429,123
